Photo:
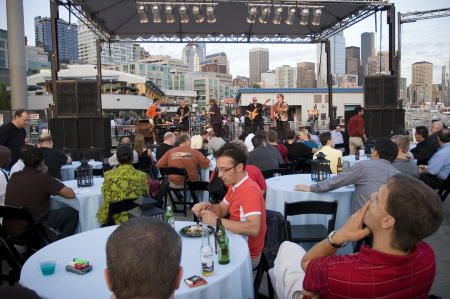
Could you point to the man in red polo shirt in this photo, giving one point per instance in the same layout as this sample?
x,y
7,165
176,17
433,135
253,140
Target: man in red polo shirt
x,y
244,201
398,265
355,130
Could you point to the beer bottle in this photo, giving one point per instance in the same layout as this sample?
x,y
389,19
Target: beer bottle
x,y
222,242
216,233
339,166
168,214
206,253
357,153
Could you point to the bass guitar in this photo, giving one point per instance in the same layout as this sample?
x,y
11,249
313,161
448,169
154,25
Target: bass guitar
x,y
254,113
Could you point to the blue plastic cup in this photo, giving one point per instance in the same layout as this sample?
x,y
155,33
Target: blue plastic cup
x,y
47,265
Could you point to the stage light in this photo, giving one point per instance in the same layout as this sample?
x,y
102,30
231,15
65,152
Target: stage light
x,y
197,11
278,15
317,14
291,16
142,11
169,14
304,14
264,15
210,14
184,18
156,11
252,12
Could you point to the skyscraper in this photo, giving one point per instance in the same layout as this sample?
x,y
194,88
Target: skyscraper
x,y
422,82
285,77
352,60
367,50
306,76
259,63
375,64
189,52
67,38
337,56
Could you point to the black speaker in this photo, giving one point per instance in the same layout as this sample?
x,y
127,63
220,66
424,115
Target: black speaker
x,y
94,133
390,89
380,91
373,123
64,132
77,98
391,117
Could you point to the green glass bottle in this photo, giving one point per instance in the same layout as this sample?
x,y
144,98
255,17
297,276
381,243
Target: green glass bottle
x,y
168,214
223,247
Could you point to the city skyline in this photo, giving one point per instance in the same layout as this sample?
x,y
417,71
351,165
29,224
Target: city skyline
x,y
414,47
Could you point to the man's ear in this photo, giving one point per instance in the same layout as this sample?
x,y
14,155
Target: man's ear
x,y
388,222
178,279
108,281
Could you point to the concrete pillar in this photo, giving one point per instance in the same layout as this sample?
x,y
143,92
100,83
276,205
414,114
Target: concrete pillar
x,y
16,51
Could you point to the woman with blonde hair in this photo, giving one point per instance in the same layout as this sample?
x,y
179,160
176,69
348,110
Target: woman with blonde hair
x,y
306,138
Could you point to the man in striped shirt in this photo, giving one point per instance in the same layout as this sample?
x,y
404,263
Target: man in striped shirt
x,y
398,265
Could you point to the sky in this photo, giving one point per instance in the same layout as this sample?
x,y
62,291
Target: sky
x,y
426,40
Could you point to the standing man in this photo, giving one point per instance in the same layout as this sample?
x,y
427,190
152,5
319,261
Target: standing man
x,y
151,111
12,134
54,159
254,111
355,129
216,118
281,116
183,113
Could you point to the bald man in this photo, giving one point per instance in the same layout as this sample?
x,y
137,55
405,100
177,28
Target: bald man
x,y
54,159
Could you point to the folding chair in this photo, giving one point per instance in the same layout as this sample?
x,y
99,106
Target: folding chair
x,y
195,186
445,189
118,207
289,166
178,193
267,174
13,266
310,232
49,233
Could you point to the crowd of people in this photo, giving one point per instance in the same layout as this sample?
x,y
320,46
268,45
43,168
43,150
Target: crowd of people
x,y
402,209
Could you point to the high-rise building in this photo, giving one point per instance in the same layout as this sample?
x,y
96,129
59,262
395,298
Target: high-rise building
x,y
337,56
306,76
36,57
258,63
67,38
139,52
268,79
352,60
375,65
285,77
176,65
385,56
189,52
219,59
422,82
367,50
241,82
4,61
158,74
112,53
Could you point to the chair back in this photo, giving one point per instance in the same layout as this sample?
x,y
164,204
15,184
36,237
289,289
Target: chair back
x,y
203,151
173,171
118,207
177,195
267,174
14,267
162,193
445,189
289,166
49,233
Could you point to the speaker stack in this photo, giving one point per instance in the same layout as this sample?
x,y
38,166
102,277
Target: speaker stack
x,y
79,125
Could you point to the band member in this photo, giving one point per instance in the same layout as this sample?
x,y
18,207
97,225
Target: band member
x,y
281,117
151,111
216,118
183,113
254,111
160,121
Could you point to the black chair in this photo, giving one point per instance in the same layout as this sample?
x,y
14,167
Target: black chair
x,y
32,238
203,151
445,189
119,207
49,233
177,195
267,174
295,162
310,232
289,166
275,235
9,263
195,186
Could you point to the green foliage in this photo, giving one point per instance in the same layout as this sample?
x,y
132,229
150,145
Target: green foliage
x,y
5,97
255,85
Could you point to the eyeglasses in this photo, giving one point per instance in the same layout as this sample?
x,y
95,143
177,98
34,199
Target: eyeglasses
x,y
225,170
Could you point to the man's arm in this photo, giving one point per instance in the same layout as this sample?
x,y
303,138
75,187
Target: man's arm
x,y
69,160
351,231
66,192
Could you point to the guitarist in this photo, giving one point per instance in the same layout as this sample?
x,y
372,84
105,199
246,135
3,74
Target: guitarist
x,y
183,113
280,110
254,111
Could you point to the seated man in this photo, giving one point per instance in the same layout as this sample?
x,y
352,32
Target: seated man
x,y
214,143
261,156
367,176
244,201
402,162
438,167
18,166
327,149
272,139
124,182
5,159
53,159
113,159
169,142
183,157
338,138
403,212
198,140
31,188
160,129
150,268
425,149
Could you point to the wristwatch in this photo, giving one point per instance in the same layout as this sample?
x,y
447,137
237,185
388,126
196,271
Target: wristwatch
x,y
330,241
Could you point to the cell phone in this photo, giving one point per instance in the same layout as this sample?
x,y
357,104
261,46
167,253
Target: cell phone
x,y
79,271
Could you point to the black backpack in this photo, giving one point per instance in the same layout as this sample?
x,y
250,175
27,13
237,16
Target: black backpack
x,y
216,188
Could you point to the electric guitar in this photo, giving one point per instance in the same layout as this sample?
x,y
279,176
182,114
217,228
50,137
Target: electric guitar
x,y
253,114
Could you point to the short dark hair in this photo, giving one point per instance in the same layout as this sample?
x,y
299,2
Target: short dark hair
x,y
203,132
33,158
444,135
358,109
402,142
155,100
20,112
386,149
232,151
290,134
271,135
182,138
261,132
143,258
124,154
248,130
258,140
324,137
422,131
397,129
332,127
23,149
416,208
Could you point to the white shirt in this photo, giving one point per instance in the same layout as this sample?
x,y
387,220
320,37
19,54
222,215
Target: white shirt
x,y
236,119
4,177
113,159
248,141
18,166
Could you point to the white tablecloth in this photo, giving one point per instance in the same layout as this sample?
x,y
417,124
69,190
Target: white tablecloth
x,y
87,202
68,171
204,176
349,161
229,281
282,190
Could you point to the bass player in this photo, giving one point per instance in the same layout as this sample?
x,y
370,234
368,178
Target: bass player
x,y
254,111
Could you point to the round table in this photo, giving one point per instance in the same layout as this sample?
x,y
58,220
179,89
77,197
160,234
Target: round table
x,y
349,161
68,171
233,280
282,190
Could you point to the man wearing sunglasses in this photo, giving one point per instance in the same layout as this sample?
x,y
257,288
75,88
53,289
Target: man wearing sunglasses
x,y
244,201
